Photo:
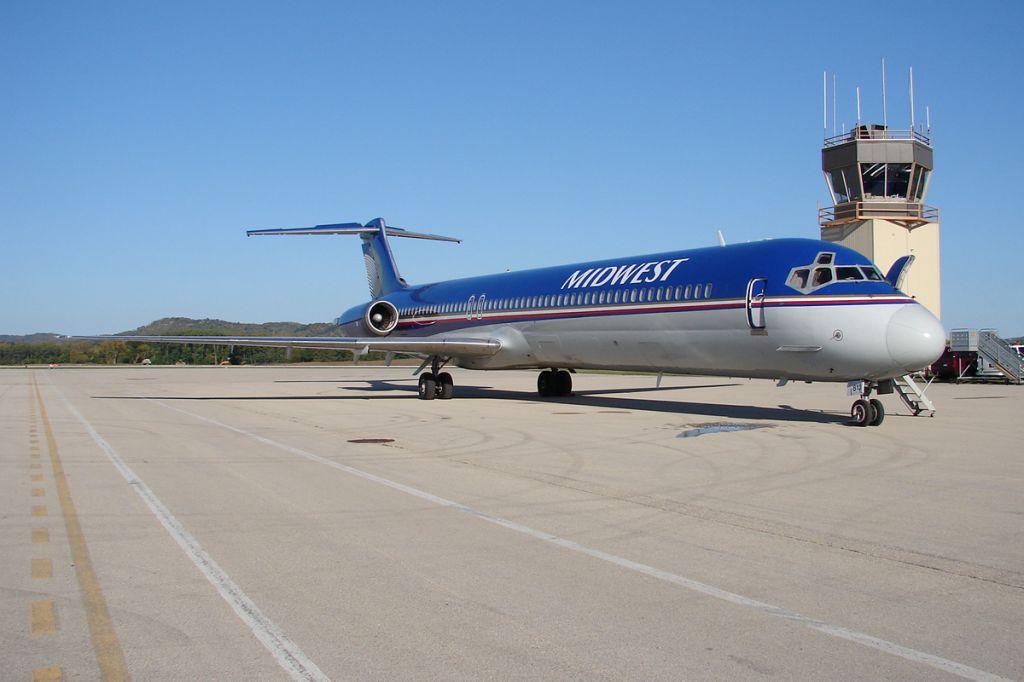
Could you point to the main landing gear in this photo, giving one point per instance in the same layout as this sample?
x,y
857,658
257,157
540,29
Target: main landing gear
x,y
867,412
435,383
554,383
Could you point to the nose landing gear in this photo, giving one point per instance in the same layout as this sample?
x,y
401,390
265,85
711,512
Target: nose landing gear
x,y
865,411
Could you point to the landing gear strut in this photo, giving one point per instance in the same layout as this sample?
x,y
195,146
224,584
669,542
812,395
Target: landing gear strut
x,y
867,412
553,383
435,383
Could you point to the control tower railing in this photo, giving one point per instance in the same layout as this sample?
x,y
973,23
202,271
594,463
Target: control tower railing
x,y
865,132
903,211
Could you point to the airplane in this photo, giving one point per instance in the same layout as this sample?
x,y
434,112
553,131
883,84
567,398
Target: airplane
x,y
785,309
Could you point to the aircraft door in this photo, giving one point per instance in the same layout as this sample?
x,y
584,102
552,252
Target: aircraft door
x,y
756,289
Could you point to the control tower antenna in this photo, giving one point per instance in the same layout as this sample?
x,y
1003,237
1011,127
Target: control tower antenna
x,y
913,124
885,111
824,104
833,104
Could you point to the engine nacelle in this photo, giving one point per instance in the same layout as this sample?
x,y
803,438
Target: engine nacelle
x,y
381,317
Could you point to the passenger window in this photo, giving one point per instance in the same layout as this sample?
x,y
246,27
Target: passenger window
x,y
707,290
618,295
686,295
822,276
632,295
600,298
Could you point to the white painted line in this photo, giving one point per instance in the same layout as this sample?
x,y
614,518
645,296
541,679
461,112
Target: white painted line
x,y
285,652
854,636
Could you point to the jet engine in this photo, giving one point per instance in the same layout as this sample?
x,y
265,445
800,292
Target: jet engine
x,y
381,317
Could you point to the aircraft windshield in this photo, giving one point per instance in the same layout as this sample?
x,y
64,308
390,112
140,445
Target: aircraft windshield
x,y
823,271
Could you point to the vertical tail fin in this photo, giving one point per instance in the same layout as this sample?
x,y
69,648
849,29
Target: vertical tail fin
x,y
381,272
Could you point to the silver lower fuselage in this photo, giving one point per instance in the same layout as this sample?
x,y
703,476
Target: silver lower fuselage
x,y
833,342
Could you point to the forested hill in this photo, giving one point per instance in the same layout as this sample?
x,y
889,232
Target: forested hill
x,y
178,326
52,349
29,338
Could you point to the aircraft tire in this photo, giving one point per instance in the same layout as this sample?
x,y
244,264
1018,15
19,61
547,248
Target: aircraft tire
x,y
445,386
427,386
861,413
563,383
878,410
546,384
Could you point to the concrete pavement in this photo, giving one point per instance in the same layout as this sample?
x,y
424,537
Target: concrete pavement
x,y
236,528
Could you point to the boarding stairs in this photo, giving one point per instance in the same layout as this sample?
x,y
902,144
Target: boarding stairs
x,y
1001,355
912,394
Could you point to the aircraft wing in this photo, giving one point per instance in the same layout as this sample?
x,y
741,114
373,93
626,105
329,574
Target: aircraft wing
x,y
452,346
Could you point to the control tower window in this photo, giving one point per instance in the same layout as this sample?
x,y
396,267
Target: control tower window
x,y
920,184
898,180
844,184
874,179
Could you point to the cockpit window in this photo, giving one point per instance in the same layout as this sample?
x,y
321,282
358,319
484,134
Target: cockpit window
x,y
823,271
872,274
849,272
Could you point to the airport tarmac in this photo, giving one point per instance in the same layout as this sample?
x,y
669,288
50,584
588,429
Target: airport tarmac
x,y
245,523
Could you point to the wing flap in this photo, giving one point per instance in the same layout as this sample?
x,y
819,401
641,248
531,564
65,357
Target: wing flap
x,y
449,346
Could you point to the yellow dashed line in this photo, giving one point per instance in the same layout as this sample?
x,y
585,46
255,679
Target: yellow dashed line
x,y
36,478
101,628
42,569
44,618
46,675
40,536
38,492
39,510
35,465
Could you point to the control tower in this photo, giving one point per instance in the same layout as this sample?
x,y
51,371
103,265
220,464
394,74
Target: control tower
x,y
878,179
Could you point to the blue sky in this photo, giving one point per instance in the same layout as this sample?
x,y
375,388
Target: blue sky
x,y
138,142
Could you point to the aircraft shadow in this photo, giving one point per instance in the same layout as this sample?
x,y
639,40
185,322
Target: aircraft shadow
x,y
606,399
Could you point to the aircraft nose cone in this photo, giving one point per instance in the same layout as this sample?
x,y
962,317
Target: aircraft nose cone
x,y
914,338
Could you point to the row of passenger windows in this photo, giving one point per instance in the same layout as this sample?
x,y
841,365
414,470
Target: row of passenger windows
x,y
476,305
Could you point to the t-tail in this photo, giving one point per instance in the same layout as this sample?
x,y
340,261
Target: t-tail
x,y
382,274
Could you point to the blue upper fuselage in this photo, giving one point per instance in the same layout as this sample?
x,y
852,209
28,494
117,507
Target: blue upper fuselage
x,y
791,267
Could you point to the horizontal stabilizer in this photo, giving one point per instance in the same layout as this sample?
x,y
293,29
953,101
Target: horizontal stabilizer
x,y
351,228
